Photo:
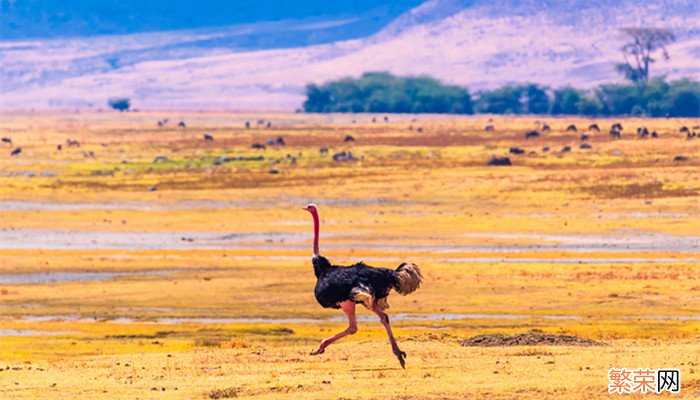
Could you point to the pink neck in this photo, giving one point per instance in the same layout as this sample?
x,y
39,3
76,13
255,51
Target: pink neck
x,y
316,229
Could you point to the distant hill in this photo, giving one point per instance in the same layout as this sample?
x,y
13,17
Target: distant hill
x,y
265,65
50,19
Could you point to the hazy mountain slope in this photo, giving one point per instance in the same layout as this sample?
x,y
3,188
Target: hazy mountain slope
x,y
25,19
480,44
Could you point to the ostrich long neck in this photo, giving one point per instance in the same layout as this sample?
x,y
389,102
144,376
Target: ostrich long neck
x,y
316,229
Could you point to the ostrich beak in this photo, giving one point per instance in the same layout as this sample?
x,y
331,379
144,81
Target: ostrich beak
x,y
305,208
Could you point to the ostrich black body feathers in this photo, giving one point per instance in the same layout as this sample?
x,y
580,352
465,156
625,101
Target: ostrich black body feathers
x,y
360,282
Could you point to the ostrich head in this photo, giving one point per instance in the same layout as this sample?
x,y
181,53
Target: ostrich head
x,y
311,207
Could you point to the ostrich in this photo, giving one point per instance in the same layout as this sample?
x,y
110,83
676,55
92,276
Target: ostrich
x,y
343,287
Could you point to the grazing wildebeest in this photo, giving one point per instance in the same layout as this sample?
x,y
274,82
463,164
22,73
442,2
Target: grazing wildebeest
x,y
323,150
280,141
269,125
208,137
182,125
654,135
349,139
419,130
59,147
16,151
642,132
684,129
489,127
270,142
89,154
532,134
247,124
615,133
258,146
680,158
72,143
545,127
160,159
499,161
160,124
374,120
571,128
585,146
386,119
344,156
584,137
545,149
7,140
565,149
593,127
516,150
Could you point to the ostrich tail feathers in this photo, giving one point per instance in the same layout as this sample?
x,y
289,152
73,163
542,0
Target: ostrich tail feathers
x,y
408,278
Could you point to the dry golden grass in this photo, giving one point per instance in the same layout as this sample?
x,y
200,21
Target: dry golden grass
x,y
426,197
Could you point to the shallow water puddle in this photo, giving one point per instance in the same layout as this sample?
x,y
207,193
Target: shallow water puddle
x,y
40,239
57,277
505,260
29,332
362,318
44,239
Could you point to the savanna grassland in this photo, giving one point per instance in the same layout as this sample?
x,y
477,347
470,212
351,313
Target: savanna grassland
x,y
149,263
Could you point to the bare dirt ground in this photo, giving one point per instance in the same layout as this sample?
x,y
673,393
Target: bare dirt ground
x,y
149,263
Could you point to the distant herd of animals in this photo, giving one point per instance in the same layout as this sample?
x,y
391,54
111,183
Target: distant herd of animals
x,y
615,132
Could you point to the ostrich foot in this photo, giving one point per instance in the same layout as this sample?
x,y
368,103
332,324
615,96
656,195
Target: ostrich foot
x,y
318,351
400,355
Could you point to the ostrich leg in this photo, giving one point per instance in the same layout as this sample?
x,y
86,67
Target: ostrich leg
x,y
395,347
348,306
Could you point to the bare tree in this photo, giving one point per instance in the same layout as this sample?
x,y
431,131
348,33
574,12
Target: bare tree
x,y
644,42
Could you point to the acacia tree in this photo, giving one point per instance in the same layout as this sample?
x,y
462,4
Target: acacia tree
x,y
644,42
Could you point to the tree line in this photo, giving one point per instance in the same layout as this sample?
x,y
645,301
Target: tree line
x,y
382,92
